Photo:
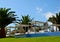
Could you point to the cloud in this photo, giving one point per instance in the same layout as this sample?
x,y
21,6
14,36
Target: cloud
x,y
38,9
49,14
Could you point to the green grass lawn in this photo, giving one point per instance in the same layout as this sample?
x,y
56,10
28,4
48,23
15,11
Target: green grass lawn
x,y
35,39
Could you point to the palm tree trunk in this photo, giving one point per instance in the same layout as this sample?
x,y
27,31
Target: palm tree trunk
x,y
2,33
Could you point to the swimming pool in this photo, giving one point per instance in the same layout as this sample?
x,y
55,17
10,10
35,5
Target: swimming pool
x,y
39,34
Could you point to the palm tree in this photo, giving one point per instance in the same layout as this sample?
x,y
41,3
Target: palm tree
x,y
6,17
55,19
52,19
26,19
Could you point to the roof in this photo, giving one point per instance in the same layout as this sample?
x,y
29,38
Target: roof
x,y
36,22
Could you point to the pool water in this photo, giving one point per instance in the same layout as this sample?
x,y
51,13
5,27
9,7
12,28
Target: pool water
x,y
39,34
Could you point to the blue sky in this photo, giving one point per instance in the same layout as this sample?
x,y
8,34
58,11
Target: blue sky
x,y
40,10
